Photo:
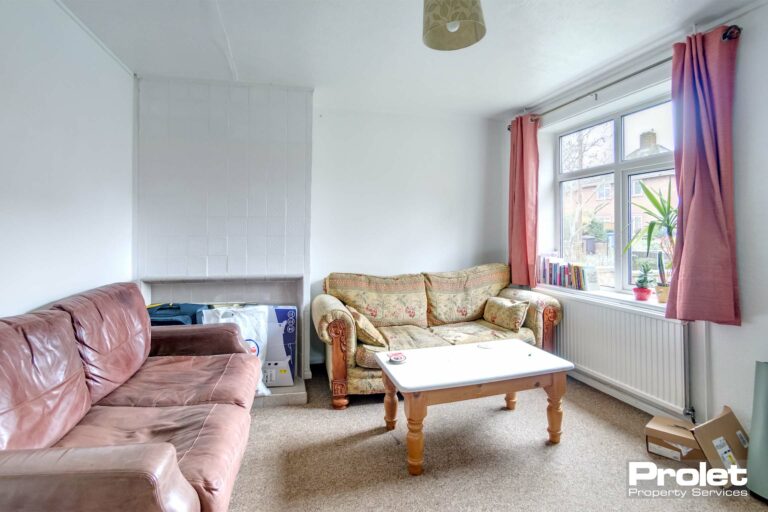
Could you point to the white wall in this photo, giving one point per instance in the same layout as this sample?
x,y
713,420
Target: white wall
x,y
734,350
66,158
401,194
223,186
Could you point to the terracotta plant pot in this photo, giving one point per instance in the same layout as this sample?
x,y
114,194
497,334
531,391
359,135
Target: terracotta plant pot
x,y
642,293
662,293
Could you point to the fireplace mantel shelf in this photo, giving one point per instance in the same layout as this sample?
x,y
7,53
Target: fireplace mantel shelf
x,y
202,279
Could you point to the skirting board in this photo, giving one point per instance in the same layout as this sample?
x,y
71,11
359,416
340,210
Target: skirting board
x,y
624,396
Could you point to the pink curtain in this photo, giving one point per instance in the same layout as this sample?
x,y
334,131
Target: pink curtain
x,y
704,282
523,199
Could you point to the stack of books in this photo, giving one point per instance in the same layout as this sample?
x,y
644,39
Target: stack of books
x,y
559,272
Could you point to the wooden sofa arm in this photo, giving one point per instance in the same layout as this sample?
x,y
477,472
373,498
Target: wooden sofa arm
x,y
335,327
543,315
136,477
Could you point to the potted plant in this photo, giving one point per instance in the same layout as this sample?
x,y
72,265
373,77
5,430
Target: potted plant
x,y
662,286
644,282
662,226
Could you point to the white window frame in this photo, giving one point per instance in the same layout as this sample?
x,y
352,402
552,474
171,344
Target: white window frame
x,y
622,171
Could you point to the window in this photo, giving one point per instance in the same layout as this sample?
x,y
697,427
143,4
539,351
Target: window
x,y
587,148
648,132
588,225
605,170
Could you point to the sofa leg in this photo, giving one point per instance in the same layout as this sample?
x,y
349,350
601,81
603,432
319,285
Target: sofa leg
x,y
340,402
338,332
339,394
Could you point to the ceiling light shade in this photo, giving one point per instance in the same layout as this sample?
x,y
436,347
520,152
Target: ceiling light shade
x,y
452,24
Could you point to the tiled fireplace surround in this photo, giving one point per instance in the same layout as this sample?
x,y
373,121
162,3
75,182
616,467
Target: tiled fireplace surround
x,y
223,191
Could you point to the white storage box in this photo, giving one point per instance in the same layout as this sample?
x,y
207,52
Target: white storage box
x,y
282,326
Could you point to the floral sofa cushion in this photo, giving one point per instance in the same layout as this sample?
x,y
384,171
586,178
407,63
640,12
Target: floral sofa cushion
x,y
506,313
366,332
365,356
460,296
407,337
403,337
385,301
480,331
534,319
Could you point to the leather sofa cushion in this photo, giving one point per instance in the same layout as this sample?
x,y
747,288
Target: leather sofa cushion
x,y
460,296
209,441
112,327
42,383
385,301
190,380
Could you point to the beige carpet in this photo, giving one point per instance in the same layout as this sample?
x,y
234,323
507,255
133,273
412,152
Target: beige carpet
x,y
477,457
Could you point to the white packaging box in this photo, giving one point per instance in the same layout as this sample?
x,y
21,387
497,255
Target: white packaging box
x,y
280,367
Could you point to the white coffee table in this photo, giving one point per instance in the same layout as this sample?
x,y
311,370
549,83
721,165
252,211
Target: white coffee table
x,y
431,376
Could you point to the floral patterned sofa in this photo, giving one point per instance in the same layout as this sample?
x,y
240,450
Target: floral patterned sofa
x,y
359,315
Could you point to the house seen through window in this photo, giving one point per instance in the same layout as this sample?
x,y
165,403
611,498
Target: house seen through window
x,y
611,175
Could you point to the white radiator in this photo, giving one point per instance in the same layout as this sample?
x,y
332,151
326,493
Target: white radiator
x,y
635,355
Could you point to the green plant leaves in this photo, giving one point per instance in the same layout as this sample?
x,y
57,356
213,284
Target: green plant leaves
x,y
662,212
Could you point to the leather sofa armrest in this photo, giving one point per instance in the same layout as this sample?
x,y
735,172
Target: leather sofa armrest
x,y
196,340
130,477
543,315
336,327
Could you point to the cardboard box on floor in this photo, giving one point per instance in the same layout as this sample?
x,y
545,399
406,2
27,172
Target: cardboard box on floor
x,y
673,439
721,441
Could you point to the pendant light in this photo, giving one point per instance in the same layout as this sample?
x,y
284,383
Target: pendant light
x,y
452,24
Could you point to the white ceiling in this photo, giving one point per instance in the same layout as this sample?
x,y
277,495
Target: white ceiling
x,y
368,55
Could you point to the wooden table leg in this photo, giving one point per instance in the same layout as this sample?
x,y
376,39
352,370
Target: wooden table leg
x,y
555,394
415,411
390,402
511,399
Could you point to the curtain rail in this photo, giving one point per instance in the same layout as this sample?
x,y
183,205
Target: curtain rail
x,y
733,32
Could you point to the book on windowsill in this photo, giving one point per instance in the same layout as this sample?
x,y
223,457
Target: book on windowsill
x,y
557,271
591,282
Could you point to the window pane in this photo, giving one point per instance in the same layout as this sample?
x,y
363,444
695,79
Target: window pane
x,y
590,147
642,212
588,224
648,132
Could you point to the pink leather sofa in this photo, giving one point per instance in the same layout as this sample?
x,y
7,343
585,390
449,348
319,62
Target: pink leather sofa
x,y
98,411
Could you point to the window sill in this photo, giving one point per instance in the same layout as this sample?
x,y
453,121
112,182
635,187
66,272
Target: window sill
x,y
608,298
